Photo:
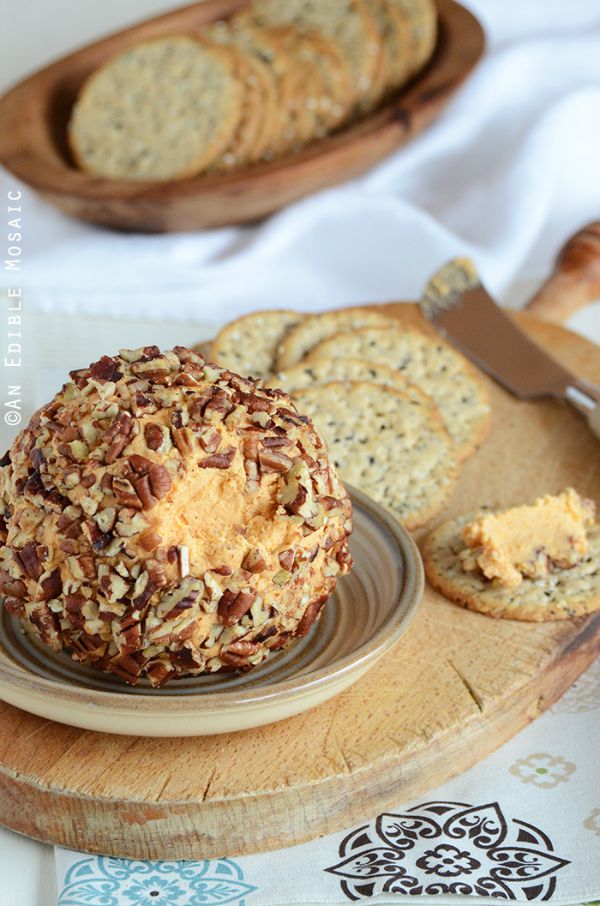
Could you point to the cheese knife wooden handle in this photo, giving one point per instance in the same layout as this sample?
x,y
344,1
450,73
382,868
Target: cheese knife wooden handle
x,y
575,280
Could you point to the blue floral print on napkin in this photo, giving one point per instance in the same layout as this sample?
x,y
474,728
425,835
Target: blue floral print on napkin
x,y
102,881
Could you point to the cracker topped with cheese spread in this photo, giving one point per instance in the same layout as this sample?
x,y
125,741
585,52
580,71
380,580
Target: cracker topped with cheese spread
x,y
529,540
537,562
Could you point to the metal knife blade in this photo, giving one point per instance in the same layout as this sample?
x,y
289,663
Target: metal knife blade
x,y
471,320
462,310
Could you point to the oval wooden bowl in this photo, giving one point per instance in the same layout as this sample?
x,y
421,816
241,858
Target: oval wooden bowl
x,y
34,116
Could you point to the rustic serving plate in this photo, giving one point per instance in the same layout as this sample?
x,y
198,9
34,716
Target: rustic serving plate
x,y
369,611
34,115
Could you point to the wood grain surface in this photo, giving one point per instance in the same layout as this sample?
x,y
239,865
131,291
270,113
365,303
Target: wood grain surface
x,y
34,116
575,279
454,689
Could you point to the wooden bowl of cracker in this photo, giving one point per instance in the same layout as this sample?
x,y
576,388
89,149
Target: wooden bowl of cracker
x,y
270,110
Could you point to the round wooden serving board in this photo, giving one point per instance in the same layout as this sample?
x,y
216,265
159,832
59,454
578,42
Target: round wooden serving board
x,y
454,689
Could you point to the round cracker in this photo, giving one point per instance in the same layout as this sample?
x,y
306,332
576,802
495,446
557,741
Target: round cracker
x,y
300,340
325,82
161,110
308,88
248,344
562,594
337,100
324,371
267,48
239,150
270,43
422,15
260,95
385,443
350,23
269,111
380,11
400,43
453,384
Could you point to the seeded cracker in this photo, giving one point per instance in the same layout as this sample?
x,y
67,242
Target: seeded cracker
x,y
399,38
349,23
562,594
307,90
248,345
161,110
300,340
267,51
241,148
452,383
381,79
386,444
422,15
323,371
270,44
323,97
336,102
261,89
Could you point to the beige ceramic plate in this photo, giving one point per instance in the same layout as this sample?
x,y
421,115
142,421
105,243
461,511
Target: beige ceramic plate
x,y
369,611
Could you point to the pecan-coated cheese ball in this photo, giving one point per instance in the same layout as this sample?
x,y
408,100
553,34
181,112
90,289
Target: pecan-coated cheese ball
x,y
166,517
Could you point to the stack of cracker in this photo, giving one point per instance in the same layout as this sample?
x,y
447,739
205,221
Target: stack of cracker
x,y
399,408
267,82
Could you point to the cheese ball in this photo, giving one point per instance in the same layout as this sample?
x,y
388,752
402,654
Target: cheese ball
x,y
164,517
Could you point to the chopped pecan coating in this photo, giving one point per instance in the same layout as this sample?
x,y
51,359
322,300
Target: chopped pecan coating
x,y
160,480
310,615
29,560
12,587
154,436
143,490
234,605
51,585
209,439
237,654
274,461
286,559
218,460
106,369
158,673
254,561
125,493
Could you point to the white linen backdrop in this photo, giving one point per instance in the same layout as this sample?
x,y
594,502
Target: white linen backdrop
x,y
505,174
508,171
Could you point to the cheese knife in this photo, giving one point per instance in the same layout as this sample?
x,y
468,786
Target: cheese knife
x,y
461,309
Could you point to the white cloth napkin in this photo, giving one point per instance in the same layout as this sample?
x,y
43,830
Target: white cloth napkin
x,y
508,171
505,174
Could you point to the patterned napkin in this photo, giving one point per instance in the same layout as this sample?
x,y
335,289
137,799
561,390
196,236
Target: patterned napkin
x,y
522,825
